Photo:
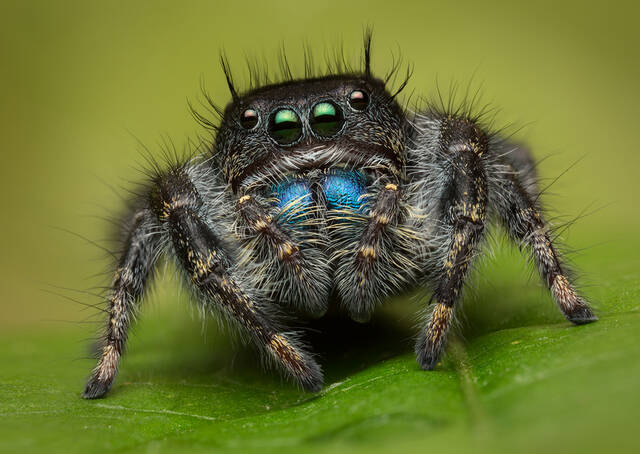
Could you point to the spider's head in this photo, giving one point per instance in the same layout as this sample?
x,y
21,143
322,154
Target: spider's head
x,y
300,125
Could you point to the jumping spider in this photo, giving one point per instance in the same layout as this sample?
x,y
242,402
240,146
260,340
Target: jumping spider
x,y
327,186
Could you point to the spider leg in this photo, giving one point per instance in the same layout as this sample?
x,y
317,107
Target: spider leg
x,y
525,224
370,268
129,282
223,287
462,209
301,274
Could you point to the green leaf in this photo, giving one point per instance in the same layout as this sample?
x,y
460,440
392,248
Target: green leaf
x,y
516,377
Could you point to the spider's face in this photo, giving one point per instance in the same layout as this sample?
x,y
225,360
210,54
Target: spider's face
x,y
323,123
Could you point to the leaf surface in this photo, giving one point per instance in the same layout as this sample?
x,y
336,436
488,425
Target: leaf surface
x,y
516,376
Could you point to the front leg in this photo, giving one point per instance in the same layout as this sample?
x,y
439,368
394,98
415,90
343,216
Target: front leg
x,y
463,210
370,258
300,274
225,287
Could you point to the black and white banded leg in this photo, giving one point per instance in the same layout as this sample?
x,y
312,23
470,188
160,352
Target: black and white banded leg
x,y
526,226
463,211
130,280
221,286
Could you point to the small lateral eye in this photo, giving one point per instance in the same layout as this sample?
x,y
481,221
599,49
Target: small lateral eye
x,y
249,119
359,99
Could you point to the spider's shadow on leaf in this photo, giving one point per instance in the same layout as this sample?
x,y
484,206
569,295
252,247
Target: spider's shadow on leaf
x,y
177,351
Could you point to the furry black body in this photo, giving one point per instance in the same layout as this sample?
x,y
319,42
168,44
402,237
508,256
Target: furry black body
x,y
276,217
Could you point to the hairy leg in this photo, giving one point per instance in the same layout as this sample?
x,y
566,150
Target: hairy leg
x,y
222,286
463,212
372,263
525,224
300,274
140,251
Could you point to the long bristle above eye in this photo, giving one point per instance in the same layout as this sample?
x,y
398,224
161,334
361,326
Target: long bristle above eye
x,y
224,63
368,35
309,63
285,68
336,63
212,115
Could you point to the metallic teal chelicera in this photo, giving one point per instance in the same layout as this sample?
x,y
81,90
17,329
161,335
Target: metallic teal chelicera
x,y
343,190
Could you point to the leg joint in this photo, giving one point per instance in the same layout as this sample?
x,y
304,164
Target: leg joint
x,y
462,135
174,191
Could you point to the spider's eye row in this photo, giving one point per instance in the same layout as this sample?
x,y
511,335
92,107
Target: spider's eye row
x,y
359,99
285,126
249,119
326,119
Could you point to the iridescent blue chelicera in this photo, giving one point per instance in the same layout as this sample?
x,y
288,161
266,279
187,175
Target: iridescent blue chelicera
x,y
342,189
293,197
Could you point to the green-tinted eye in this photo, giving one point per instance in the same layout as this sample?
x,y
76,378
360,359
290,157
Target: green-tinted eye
x,y
326,119
285,126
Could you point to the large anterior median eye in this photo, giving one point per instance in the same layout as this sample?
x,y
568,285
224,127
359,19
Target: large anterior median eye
x,y
285,126
326,119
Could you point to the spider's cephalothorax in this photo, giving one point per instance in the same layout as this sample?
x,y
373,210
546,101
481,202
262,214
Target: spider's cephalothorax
x,y
326,186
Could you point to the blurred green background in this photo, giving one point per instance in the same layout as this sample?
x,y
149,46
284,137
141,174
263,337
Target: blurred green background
x,y
82,82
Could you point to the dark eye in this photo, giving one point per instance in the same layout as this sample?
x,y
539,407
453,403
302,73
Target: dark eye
x,y
359,99
285,126
326,119
249,119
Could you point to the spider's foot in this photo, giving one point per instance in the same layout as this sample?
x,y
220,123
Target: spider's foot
x,y
96,389
312,379
432,341
427,355
428,361
581,315
574,308
298,364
